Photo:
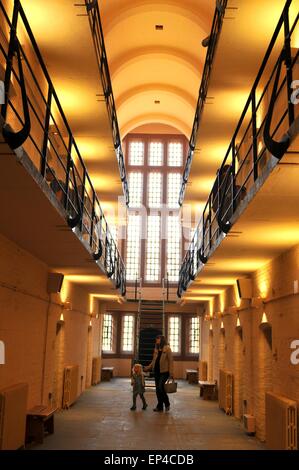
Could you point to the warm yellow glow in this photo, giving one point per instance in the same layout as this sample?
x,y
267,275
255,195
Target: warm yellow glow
x,y
203,183
243,265
91,304
219,281
61,317
237,297
106,296
221,301
91,149
238,322
295,35
211,306
222,326
198,298
105,184
85,279
68,96
203,290
260,147
67,305
90,322
64,291
211,326
264,318
295,38
264,288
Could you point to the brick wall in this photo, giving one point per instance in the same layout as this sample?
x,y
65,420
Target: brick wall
x,y
36,352
256,366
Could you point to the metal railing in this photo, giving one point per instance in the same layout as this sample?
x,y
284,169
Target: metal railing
x,y
264,133
93,12
203,90
34,120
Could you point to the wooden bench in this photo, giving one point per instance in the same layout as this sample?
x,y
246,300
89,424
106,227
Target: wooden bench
x,y
40,420
107,374
207,389
192,376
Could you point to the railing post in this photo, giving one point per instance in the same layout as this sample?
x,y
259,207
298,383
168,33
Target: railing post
x,y
83,197
233,167
10,56
210,224
254,135
93,215
288,62
68,169
43,165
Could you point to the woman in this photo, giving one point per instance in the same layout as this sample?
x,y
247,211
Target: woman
x,y
162,366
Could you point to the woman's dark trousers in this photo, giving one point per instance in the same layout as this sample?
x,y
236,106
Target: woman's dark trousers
x,y
162,396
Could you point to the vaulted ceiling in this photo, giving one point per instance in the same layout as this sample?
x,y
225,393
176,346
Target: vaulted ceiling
x,y
156,59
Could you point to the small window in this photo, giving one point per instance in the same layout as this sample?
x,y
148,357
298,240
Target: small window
x,y
173,189
173,248
128,333
152,272
108,333
133,247
174,334
175,154
156,154
136,188
136,153
154,190
194,335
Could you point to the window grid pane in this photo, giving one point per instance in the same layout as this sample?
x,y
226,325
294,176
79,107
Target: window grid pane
x,y
154,190
153,248
128,329
173,189
175,154
174,333
136,188
194,336
136,153
133,247
173,248
155,154
107,339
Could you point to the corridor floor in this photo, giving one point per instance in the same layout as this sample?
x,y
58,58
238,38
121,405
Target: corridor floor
x,y
101,419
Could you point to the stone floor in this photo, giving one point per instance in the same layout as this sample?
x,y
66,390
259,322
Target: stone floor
x,y
101,419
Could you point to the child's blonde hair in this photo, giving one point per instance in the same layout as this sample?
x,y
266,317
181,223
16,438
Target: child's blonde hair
x,y
137,369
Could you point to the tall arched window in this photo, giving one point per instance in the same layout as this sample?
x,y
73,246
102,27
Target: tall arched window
x,y
153,247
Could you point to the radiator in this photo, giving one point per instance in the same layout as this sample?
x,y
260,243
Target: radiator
x,y
225,392
96,371
70,386
13,408
203,370
281,423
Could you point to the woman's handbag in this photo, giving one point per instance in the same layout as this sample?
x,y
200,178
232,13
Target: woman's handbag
x,y
170,386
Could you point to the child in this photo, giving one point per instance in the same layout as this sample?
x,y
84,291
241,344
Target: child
x,y
138,386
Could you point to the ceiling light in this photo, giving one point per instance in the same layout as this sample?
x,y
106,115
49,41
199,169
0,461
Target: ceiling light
x,y
159,27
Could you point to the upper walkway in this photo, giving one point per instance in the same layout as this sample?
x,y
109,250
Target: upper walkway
x,y
50,204
253,201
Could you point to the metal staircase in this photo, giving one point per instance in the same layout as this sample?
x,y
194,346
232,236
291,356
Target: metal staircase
x,y
150,325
